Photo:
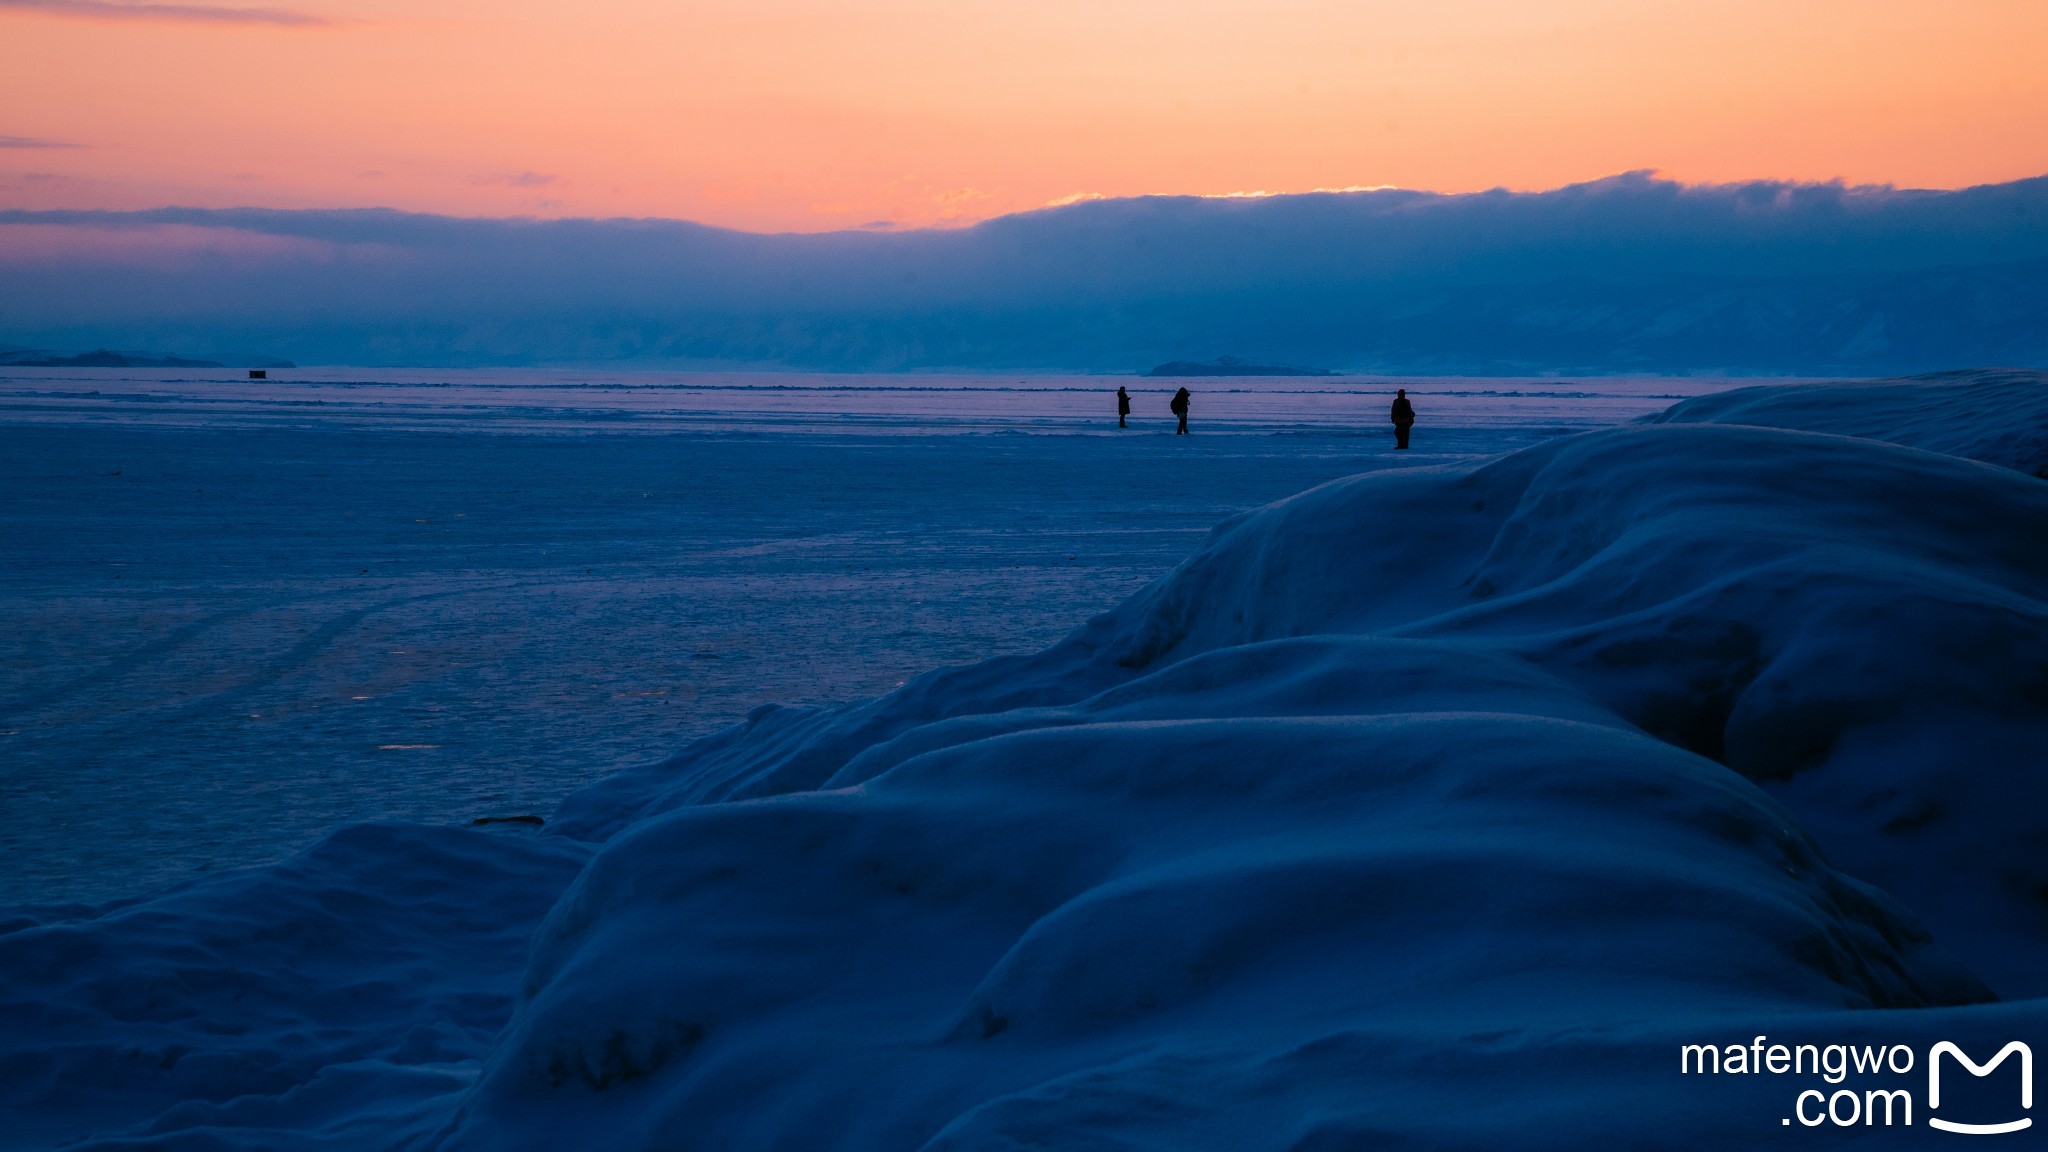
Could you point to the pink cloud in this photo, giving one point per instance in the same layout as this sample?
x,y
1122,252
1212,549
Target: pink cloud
x,y
33,141
188,13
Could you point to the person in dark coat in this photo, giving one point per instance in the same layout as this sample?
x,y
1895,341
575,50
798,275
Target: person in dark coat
x,y
1123,406
1404,417
1180,409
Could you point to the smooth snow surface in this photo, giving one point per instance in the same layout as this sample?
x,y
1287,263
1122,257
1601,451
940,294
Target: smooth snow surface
x,y
1432,807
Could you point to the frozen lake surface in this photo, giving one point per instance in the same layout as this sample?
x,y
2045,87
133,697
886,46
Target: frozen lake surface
x,y
241,613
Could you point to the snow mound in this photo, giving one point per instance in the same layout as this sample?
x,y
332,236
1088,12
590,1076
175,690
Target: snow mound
x,y
1410,766
1999,416
1861,626
1431,807
927,950
351,988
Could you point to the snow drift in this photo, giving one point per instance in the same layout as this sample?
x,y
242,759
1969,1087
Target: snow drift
x,y
1430,807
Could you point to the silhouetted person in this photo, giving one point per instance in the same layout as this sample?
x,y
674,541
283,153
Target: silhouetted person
x,y
1404,417
1123,406
1180,409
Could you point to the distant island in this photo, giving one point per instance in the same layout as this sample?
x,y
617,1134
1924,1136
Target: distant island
x,y
104,358
1232,366
101,358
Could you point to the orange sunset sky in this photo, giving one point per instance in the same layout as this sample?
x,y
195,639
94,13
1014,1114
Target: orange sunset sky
x,y
804,115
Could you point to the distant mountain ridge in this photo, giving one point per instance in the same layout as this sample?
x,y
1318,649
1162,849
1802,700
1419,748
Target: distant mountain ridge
x,y
1628,274
102,358
105,358
1231,366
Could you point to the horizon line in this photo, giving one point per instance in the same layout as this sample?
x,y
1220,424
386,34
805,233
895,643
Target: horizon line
x,y
1634,177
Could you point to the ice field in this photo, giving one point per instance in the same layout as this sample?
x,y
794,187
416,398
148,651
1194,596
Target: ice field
x,y
1435,801
244,612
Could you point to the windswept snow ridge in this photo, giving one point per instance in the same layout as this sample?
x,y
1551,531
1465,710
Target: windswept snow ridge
x,y
1993,416
1431,807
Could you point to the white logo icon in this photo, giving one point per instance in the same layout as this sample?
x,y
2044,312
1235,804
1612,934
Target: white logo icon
x,y
1976,1069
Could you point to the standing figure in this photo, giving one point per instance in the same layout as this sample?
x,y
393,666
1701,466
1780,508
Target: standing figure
x,y
1180,409
1404,417
1123,406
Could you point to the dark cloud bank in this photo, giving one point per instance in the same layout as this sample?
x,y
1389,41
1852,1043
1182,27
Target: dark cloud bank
x,y
1626,274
